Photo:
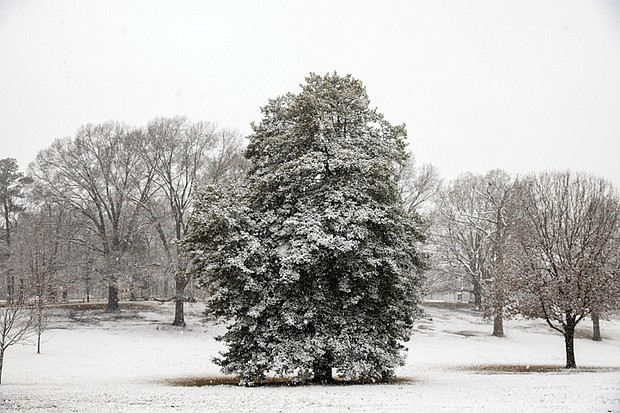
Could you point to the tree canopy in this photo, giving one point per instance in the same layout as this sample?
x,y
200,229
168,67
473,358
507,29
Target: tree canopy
x,y
12,182
313,259
564,250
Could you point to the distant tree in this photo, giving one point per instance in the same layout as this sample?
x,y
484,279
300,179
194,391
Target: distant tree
x,y
418,184
471,231
314,262
462,233
101,175
184,155
15,326
564,250
499,195
40,253
12,182
613,290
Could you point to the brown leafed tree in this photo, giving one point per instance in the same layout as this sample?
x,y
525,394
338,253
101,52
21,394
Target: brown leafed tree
x,y
564,250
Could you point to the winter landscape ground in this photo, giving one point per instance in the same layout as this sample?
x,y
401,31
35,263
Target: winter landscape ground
x,y
134,361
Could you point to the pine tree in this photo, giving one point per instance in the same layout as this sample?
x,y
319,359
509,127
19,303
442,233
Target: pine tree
x,y
12,182
314,260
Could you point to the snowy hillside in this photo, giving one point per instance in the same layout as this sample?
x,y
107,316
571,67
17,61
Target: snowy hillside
x,y
134,362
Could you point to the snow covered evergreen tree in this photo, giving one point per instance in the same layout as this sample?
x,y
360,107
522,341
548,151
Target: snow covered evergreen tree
x,y
314,261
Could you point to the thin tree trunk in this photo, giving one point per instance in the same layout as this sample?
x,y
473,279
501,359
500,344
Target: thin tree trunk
x,y
569,340
596,327
39,321
166,290
477,296
112,297
498,323
180,282
1,363
7,222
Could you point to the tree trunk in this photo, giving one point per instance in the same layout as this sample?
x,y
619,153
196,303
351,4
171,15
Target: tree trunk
x,y
166,289
477,296
180,283
7,221
179,314
1,363
569,339
387,376
596,327
498,323
112,297
322,369
10,288
39,322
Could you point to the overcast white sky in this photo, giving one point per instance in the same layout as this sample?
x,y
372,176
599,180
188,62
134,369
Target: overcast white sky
x,y
520,85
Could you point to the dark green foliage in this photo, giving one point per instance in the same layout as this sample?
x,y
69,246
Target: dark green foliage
x,y
313,260
12,182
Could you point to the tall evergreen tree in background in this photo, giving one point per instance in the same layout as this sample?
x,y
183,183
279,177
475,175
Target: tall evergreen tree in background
x,y
314,260
12,182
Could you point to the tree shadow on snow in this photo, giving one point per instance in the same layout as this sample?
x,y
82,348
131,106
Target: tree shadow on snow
x,y
203,381
533,368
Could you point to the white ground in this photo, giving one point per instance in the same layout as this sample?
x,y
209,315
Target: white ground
x,y
104,365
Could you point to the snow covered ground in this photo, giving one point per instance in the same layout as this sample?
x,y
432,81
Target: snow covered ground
x,y
96,362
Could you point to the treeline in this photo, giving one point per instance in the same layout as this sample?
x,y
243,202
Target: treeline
x,y
543,245
110,205
105,209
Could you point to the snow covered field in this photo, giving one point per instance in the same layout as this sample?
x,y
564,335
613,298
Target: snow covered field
x,y
96,362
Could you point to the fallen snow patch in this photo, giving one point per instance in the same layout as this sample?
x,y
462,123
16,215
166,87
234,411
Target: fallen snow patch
x,y
136,362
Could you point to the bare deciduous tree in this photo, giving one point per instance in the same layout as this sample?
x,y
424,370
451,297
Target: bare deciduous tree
x,y
564,250
184,155
100,174
462,241
418,184
40,253
471,231
15,326
499,193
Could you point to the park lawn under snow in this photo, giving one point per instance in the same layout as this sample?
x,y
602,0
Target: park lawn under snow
x,y
130,362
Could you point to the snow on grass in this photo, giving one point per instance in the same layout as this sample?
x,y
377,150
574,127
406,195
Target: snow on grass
x,y
136,362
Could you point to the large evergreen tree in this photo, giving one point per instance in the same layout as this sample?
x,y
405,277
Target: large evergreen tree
x,y
313,261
